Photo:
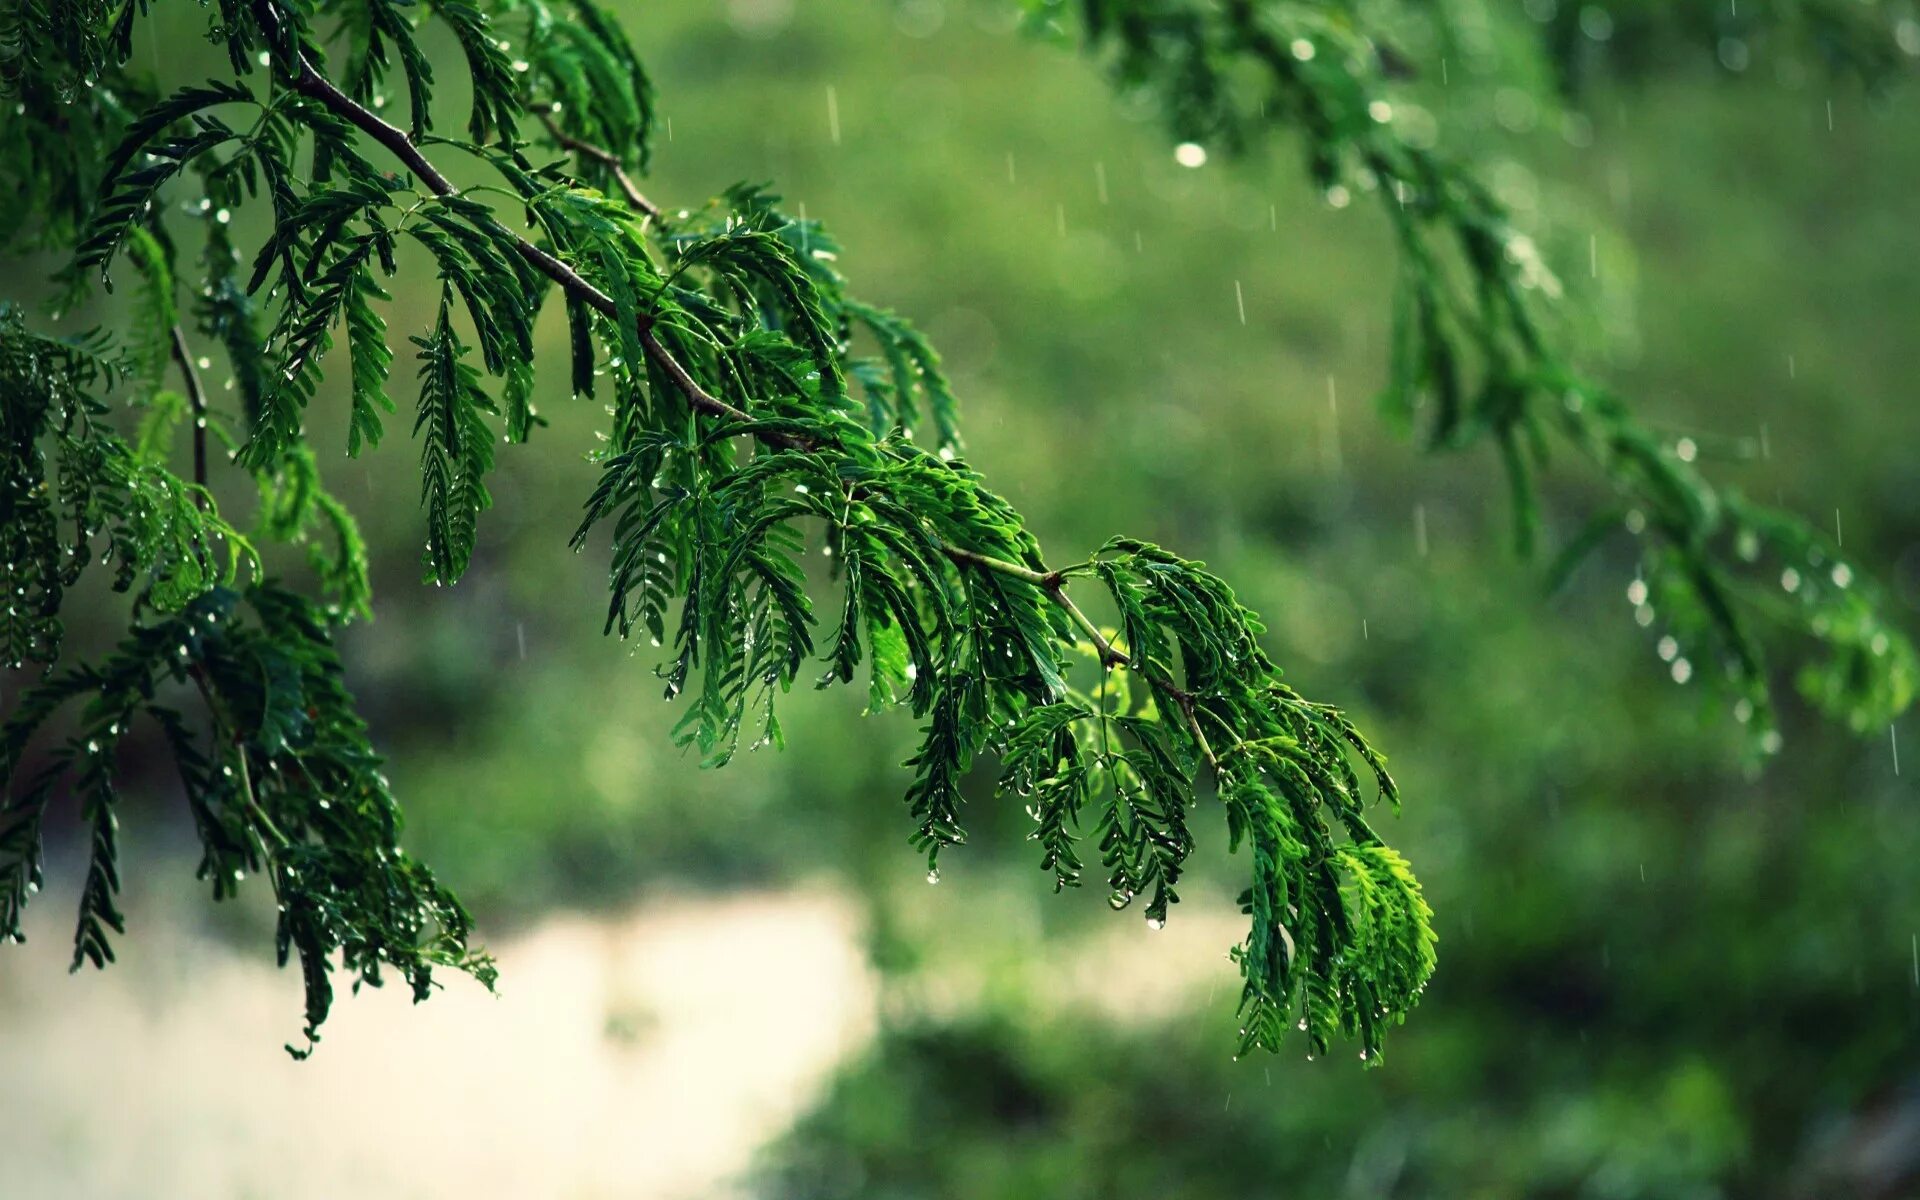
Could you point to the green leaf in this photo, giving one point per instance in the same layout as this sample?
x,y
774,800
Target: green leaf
x,y
456,449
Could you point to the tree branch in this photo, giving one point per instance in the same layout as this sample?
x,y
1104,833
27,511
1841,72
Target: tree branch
x,y
224,728
604,157
197,402
309,82
1054,584
1000,566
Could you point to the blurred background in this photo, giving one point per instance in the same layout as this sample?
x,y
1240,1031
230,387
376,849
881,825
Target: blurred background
x,y
1662,974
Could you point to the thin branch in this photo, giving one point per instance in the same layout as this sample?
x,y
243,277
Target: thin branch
x,y
197,401
253,805
1056,587
1054,584
700,397
310,83
605,158
223,727
1000,566
1184,701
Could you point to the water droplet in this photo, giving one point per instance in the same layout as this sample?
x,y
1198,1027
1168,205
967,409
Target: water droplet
x,y
933,876
1190,154
1637,592
1302,49
1156,923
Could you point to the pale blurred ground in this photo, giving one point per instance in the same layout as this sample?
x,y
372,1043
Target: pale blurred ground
x,y
640,1055
644,1055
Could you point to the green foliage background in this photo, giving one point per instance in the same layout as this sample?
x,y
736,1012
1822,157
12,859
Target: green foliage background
x,y
1662,974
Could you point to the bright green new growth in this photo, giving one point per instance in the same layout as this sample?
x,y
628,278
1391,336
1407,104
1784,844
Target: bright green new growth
x,y
725,343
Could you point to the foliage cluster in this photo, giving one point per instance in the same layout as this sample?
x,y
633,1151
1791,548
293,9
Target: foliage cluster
x,y
728,351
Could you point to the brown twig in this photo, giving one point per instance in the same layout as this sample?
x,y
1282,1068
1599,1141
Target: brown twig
x,y
605,158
